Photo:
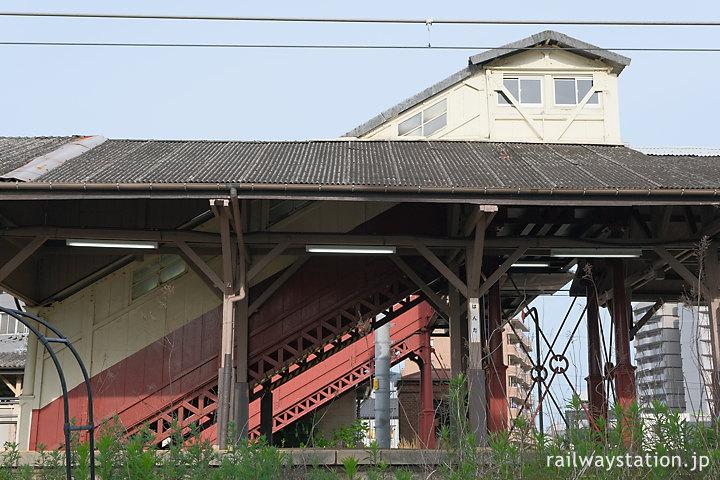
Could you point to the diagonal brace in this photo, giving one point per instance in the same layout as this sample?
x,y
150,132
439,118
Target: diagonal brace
x,y
434,299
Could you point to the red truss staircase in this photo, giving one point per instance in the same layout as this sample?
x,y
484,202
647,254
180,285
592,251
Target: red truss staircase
x,y
327,306
311,389
305,392
342,372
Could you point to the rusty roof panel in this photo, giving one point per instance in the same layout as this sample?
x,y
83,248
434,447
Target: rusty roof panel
x,y
17,151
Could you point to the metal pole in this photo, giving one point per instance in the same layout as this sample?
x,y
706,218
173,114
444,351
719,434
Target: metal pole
x,y
382,393
533,313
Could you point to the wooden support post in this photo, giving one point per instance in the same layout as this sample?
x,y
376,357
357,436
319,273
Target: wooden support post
x,y
427,411
624,371
595,381
242,392
496,369
232,402
477,402
227,327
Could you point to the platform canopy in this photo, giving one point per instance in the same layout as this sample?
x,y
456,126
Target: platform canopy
x,y
417,195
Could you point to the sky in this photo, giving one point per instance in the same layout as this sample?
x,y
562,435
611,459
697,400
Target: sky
x,y
300,94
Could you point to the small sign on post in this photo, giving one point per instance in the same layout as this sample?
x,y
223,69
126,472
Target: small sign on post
x,y
474,320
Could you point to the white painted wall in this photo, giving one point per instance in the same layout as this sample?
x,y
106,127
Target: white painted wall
x,y
474,114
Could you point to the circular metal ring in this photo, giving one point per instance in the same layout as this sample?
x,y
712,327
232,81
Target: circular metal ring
x,y
539,374
559,364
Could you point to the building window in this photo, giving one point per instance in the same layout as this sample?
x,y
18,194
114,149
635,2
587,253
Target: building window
x,y
526,90
159,271
426,122
9,325
571,91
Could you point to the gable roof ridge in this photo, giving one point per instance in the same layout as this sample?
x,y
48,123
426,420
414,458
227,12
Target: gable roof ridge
x,y
616,61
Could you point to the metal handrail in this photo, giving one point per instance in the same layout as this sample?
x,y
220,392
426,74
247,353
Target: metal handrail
x,y
24,318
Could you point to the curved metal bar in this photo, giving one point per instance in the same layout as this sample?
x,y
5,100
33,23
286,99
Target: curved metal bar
x,y
67,428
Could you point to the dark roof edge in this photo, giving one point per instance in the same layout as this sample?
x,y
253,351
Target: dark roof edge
x,y
616,61
411,101
349,192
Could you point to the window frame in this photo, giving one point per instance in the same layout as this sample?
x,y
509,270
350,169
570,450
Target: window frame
x,y
577,99
153,269
423,122
520,77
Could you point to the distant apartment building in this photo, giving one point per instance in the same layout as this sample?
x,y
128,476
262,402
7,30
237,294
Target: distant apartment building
x,y
516,347
674,357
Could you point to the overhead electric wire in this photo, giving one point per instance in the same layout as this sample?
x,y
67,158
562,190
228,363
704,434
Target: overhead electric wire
x,y
346,47
424,21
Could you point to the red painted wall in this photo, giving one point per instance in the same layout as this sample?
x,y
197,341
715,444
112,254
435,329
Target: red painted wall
x,y
140,385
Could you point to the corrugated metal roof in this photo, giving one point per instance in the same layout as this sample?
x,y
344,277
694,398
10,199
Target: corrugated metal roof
x,y
400,163
13,350
17,151
12,359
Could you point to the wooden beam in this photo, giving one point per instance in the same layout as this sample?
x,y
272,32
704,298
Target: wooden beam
x,y
473,263
577,111
487,212
675,264
21,256
203,270
160,236
300,238
500,271
442,268
270,291
519,108
10,385
273,238
238,226
438,303
661,223
228,275
258,267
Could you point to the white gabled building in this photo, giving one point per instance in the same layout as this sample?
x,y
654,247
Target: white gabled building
x,y
545,88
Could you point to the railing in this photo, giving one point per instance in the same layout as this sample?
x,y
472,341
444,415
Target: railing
x,y
10,326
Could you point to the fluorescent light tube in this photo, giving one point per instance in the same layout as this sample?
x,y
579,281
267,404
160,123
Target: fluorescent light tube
x,y
84,242
351,249
531,264
596,252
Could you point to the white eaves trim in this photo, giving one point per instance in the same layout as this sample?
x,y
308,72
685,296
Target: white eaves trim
x,y
680,151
